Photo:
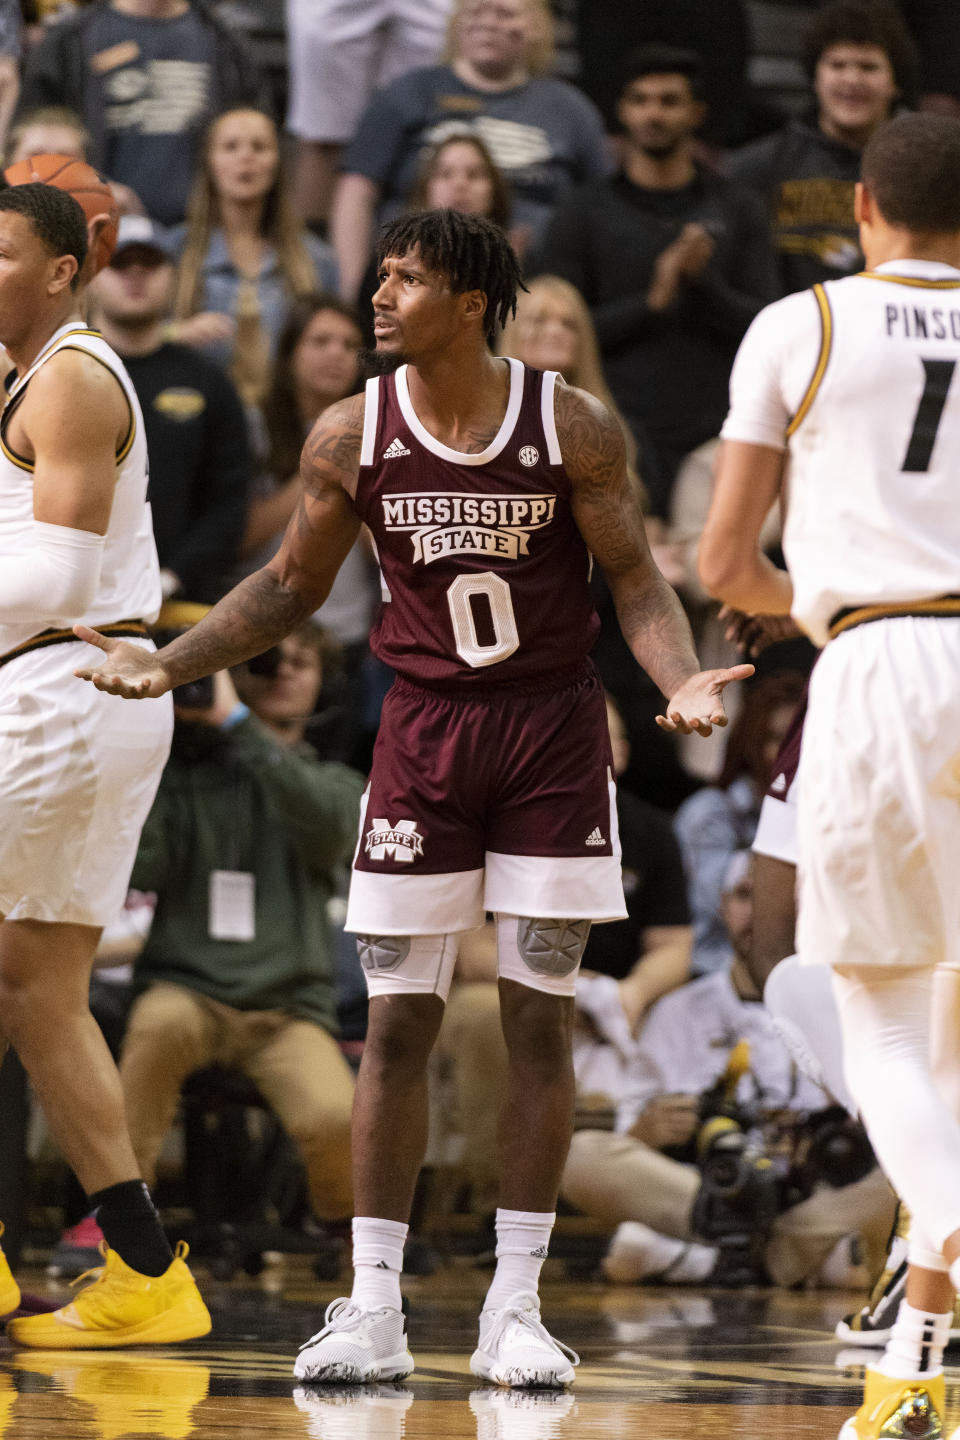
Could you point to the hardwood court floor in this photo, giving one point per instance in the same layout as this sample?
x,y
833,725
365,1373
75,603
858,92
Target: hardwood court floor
x,y
667,1364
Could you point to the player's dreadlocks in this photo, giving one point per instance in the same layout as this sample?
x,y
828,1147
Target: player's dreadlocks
x,y
472,252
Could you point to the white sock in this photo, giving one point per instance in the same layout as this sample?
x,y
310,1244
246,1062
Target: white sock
x,y
801,1001
522,1240
377,1262
637,1252
916,1344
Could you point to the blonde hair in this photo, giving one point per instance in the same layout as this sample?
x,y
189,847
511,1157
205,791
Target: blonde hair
x,y
540,46
47,115
279,224
587,373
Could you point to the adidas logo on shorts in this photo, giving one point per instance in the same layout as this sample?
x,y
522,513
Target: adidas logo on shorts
x,y
595,838
394,450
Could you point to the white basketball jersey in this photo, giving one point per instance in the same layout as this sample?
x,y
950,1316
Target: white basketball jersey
x,y
858,379
130,575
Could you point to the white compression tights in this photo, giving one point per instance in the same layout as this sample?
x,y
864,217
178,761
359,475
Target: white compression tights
x,y
900,1032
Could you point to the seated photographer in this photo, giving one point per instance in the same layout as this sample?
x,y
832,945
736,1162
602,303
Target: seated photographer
x,y
710,1050
240,849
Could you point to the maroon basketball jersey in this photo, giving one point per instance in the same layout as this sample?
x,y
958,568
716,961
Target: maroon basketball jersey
x,y
485,572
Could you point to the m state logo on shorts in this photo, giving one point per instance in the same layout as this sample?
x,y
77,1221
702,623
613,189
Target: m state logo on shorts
x,y
401,842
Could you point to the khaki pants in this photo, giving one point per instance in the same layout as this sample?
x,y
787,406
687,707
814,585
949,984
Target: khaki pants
x,y
296,1065
617,1178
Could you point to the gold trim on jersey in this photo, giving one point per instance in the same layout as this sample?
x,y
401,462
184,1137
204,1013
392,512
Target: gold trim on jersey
x,y
914,280
120,629
863,614
13,457
826,344
126,444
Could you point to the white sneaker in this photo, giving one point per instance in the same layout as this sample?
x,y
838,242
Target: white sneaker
x,y
357,1412
517,1350
356,1346
521,1414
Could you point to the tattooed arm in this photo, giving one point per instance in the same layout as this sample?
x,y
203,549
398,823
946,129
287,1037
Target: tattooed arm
x,y
266,606
608,517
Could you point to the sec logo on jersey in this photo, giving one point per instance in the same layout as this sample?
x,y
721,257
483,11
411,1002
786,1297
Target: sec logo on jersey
x,y
529,456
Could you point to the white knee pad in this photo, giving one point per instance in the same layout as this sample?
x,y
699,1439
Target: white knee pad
x,y
543,954
408,964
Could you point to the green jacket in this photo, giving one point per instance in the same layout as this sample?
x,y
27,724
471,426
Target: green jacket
x,y
248,804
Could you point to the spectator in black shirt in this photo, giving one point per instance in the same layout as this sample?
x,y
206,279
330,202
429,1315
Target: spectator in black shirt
x,y
201,466
860,61
674,263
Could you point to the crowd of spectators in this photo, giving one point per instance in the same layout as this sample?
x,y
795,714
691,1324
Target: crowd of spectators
x,y
657,197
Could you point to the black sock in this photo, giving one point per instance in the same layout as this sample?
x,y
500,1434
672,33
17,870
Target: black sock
x,y
131,1226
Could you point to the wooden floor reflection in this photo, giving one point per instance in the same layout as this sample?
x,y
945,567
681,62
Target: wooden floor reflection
x,y
656,1364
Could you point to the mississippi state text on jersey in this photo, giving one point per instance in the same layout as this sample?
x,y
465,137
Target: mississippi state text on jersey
x,y
485,572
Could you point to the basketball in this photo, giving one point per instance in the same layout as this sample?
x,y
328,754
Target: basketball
x,y
89,188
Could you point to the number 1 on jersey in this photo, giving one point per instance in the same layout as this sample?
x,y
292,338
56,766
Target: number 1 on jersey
x,y
938,375
481,606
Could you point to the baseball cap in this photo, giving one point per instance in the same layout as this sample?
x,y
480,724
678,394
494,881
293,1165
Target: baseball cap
x,y
142,232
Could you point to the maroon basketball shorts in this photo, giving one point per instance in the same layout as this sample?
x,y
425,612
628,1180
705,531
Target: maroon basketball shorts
x,y
501,803
777,827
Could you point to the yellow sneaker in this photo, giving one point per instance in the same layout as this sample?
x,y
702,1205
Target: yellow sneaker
x,y
121,1307
898,1409
8,1398
130,1394
9,1289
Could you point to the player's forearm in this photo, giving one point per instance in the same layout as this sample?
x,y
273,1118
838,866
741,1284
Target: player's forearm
x,y
258,613
748,582
656,628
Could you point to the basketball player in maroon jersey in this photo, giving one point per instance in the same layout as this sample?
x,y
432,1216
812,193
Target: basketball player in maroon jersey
x,y
487,488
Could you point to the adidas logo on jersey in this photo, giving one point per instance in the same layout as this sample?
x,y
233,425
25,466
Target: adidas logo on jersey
x,y
595,838
394,450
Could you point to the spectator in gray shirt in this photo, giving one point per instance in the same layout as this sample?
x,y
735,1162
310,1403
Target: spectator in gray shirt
x,y
541,132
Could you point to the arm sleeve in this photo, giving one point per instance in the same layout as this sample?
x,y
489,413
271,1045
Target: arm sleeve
x,y
54,578
211,539
782,344
318,802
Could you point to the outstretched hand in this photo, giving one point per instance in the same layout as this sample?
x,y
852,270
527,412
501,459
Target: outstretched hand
x,y
128,670
698,704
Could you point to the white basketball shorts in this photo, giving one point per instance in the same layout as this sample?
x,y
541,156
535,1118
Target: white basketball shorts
x,y
78,774
879,798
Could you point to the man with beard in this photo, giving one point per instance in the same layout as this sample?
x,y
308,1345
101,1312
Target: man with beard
x,y
673,262
486,486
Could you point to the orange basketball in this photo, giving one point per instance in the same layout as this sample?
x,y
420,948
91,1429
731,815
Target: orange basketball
x,y
86,185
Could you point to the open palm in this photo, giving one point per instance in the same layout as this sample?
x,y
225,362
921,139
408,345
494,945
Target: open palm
x,y
126,670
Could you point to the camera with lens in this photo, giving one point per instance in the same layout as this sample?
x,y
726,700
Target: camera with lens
x,y
756,1163
267,664
739,1199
